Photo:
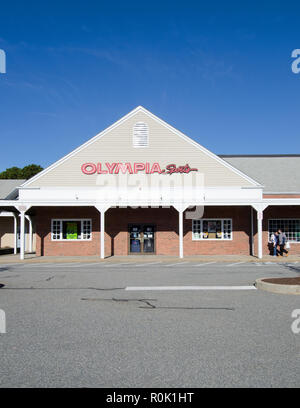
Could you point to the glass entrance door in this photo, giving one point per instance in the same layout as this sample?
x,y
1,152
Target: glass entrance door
x,y
135,238
141,239
148,235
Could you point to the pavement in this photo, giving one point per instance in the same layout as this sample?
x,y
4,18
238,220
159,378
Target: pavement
x,y
101,324
32,258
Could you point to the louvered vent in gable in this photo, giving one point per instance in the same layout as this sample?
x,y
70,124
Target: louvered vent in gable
x,y
140,135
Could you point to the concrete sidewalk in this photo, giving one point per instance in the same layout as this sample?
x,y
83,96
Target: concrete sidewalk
x,y
32,258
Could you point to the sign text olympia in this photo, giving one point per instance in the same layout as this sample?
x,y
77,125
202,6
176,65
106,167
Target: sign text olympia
x,y
147,168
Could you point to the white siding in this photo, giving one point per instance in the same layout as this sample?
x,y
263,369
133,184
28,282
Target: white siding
x,y
165,147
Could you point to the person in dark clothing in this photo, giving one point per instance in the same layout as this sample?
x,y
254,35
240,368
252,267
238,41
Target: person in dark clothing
x,y
282,241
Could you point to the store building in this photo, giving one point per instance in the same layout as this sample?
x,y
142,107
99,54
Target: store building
x,y
143,187
9,224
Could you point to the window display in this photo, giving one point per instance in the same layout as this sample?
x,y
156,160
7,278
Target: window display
x,y
215,229
67,230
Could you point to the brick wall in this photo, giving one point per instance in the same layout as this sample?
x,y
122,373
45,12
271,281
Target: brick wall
x,y
165,221
44,245
240,244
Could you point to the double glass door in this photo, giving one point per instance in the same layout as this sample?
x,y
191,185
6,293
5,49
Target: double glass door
x,y
141,239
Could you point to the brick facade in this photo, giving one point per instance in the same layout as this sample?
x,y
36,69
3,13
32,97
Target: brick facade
x,y
165,221
44,245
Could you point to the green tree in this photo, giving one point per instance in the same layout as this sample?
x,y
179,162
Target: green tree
x,y
30,171
11,173
17,173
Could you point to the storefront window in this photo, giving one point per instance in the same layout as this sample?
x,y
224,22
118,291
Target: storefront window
x,y
291,228
68,230
216,229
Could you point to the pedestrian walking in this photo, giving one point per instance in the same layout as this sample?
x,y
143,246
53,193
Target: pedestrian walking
x,y
274,242
282,240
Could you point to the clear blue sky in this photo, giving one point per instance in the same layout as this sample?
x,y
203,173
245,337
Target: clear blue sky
x,y
222,75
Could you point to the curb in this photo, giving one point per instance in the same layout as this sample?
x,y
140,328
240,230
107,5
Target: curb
x,y
277,288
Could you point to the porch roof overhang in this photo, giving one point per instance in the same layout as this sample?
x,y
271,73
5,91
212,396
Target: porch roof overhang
x,y
137,196
10,205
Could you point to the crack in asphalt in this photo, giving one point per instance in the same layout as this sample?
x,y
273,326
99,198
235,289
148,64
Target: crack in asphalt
x,y
150,306
145,301
107,288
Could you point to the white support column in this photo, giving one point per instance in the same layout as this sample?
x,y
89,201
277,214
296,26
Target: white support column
x,y
260,210
102,234
22,235
22,209
259,232
30,233
102,209
180,234
15,234
180,208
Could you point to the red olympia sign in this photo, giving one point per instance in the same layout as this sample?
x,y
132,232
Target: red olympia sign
x,y
116,168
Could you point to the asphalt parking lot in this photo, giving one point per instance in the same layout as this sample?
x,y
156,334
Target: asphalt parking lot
x,y
152,324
